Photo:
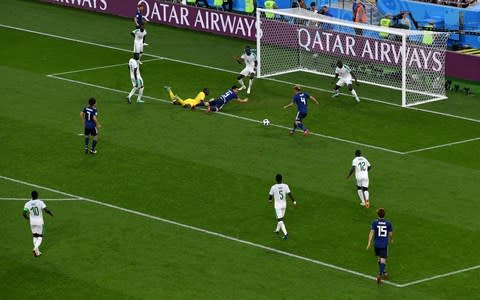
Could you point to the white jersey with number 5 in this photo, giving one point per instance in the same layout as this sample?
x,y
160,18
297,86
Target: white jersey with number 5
x,y
35,208
279,192
361,165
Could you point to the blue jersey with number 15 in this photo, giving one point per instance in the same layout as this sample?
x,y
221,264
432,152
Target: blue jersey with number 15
x,y
89,113
382,229
300,100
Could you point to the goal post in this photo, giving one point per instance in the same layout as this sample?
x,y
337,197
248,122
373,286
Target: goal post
x,y
409,61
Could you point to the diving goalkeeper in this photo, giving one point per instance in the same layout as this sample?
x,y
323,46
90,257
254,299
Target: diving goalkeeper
x,y
189,102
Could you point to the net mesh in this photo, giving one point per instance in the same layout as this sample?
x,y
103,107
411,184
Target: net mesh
x,y
291,40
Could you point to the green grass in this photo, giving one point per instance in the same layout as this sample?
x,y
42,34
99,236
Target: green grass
x,y
214,172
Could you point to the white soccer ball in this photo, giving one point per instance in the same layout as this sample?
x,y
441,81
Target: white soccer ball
x,y
266,122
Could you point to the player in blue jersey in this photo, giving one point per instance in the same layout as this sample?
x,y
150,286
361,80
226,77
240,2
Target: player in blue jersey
x,y
91,124
300,100
139,19
381,233
217,104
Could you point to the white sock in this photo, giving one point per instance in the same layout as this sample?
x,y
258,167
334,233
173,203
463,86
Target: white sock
x,y
38,243
241,82
250,82
278,227
354,93
132,92
282,226
360,195
366,195
140,94
34,242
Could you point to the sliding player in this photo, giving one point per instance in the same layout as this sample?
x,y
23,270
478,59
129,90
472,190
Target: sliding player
x,y
217,104
345,74
250,60
189,102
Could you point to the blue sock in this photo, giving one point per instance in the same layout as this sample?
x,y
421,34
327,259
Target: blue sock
x,y
86,142
94,144
294,126
300,125
382,268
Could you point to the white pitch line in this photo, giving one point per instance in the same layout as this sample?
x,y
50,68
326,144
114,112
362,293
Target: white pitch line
x,y
46,199
229,71
442,146
439,276
235,116
101,67
220,235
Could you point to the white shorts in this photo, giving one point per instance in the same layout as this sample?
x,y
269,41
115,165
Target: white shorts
x,y
344,81
138,47
38,229
134,83
280,212
363,182
247,71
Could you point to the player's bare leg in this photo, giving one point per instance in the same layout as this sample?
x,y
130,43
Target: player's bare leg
x,y
250,82
366,196
361,196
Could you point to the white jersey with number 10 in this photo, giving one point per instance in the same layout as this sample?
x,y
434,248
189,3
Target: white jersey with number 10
x,y
35,208
279,192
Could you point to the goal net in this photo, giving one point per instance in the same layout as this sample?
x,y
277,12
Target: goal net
x,y
295,39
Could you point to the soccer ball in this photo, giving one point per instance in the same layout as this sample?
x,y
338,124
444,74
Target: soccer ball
x,y
266,122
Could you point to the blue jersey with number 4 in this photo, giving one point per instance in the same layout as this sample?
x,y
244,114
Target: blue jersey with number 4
x,y
382,229
300,100
89,113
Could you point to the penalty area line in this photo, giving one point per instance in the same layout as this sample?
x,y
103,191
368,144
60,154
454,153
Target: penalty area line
x,y
46,199
228,71
212,233
443,145
439,276
235,116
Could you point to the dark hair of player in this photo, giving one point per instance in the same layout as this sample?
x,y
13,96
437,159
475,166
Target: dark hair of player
x,y
278,178
339,63
358,152
136,56
381,213
234,87
92,101
206,91
34,195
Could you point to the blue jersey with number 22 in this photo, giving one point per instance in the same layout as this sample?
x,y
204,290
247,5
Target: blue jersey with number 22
x,y
382,229
300,100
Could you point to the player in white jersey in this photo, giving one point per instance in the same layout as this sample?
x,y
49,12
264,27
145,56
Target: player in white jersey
x,y
250,60
33,211
139,41
279,193
346,75
361,167
137,80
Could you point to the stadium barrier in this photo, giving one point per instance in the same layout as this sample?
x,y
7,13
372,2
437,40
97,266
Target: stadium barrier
x,y
227,24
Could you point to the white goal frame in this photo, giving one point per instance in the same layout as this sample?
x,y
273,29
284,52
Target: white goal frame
x,y
302,17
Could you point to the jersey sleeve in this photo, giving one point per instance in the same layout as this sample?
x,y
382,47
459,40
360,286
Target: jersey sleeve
x,y
368,163
271,191
43,205
353,163
374,225
389,227
287,189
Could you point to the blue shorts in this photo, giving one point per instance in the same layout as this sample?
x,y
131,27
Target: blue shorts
x,y
300,116
91,131
216,105
381,252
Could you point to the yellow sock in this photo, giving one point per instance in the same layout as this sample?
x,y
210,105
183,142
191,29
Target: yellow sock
x,y
171,94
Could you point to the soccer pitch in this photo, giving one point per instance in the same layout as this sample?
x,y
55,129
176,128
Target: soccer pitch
x,y
174,205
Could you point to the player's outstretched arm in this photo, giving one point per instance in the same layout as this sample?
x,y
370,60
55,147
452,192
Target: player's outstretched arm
x,y
314,99
48,211
242,100
238,59
351,172
355,78
288,105
270,198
